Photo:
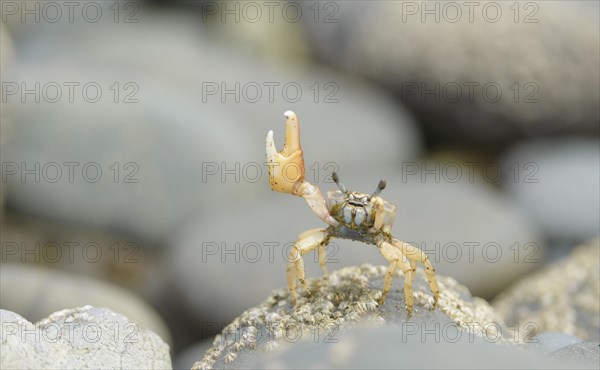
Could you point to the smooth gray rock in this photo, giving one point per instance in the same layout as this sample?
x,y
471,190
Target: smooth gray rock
x,y
392,348
95,253
185,359
563,297
557,183
80,338
6,60
414,45
346,300
6,43
35,292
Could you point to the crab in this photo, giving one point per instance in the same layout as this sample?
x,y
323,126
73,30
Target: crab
x,y
349,214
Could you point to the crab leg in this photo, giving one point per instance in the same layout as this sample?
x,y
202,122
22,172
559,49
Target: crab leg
x,y
397,260
286,169
417,255
307,242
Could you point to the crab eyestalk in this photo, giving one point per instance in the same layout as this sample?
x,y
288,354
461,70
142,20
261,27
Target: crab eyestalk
x,y
286,169
337,181
380,187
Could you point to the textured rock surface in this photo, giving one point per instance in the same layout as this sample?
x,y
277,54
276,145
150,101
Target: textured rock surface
x,y
346,299
35,292
398,43
80,338
565,167
586,353
551,341
564,297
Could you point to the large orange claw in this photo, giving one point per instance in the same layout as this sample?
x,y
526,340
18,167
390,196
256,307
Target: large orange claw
x,y
286,168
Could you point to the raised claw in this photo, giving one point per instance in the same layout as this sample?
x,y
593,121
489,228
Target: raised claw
x,y
286,168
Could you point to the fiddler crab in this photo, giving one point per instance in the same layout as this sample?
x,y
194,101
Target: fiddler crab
x,y
351,215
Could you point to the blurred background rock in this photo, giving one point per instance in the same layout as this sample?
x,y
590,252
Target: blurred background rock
x,y
491,190
543,47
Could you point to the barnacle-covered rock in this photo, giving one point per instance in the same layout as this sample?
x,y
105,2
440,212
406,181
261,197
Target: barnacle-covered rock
x,y
348,299
564,297
581,352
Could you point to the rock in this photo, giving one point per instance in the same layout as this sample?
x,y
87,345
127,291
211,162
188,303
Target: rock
x,y
80,338
470,232
136,268
584,353
8,52
547,168
270,35
437,59
6,60
564,297
34,292
128,160
550,341
108,256
183,148
391,348
344,300
185,359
